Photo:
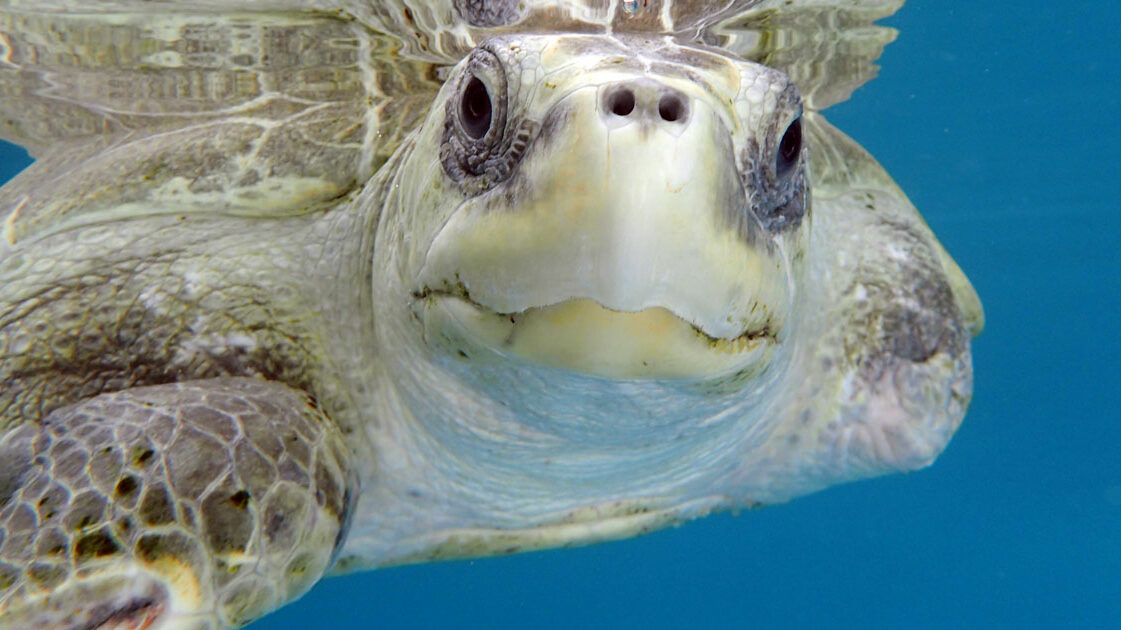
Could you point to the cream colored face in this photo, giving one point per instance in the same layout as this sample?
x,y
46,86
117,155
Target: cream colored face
x,y
624,208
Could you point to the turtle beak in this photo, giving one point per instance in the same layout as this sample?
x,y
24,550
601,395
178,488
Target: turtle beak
x,y
623,246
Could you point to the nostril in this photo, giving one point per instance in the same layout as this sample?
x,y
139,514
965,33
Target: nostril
x,y
671,107
621,102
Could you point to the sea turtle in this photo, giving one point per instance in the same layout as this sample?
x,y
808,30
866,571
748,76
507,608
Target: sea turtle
x,y
302,284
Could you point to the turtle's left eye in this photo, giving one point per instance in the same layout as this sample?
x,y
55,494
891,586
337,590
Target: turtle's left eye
x,y
475,109
789,149
481,143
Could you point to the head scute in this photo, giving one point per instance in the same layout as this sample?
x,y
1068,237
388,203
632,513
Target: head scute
x,y
490,13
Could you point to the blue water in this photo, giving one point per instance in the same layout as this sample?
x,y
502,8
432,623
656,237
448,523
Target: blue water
x,y
1000,120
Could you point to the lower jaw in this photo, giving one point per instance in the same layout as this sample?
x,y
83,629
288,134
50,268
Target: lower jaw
x,y
581,336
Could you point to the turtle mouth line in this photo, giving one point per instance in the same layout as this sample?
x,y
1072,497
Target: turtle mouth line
x,y
581,335
748,337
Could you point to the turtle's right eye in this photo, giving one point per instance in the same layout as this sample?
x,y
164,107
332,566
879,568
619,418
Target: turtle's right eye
x,y
475,109
789,149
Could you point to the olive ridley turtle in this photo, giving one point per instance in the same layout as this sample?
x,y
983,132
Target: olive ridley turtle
x,y
308,285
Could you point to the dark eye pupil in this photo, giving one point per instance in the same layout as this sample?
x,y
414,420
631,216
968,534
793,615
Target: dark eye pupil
x,y
789,149
475,109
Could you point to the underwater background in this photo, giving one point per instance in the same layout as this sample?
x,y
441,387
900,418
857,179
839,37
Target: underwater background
x,y
1001,122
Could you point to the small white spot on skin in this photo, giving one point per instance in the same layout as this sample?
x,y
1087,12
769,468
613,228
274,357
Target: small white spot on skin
x,y
209,345
897,252
20,344
10,224
191,283
165,59
153,298
199,324
241,341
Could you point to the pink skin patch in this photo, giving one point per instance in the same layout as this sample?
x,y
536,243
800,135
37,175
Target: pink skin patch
x,y
136,619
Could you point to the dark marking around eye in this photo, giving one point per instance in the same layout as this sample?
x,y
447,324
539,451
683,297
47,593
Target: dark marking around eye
x,y
475,109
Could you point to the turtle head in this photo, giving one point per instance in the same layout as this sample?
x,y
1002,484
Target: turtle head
x,y
626,209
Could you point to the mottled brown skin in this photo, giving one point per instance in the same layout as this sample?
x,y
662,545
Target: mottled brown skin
x,y
234,490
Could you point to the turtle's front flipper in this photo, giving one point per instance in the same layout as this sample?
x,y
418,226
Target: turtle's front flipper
x,y
194,505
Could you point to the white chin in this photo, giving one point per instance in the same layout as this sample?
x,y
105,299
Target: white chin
x,y
582,336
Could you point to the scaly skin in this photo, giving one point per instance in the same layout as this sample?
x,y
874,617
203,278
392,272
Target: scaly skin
x,y
201,505
152,310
